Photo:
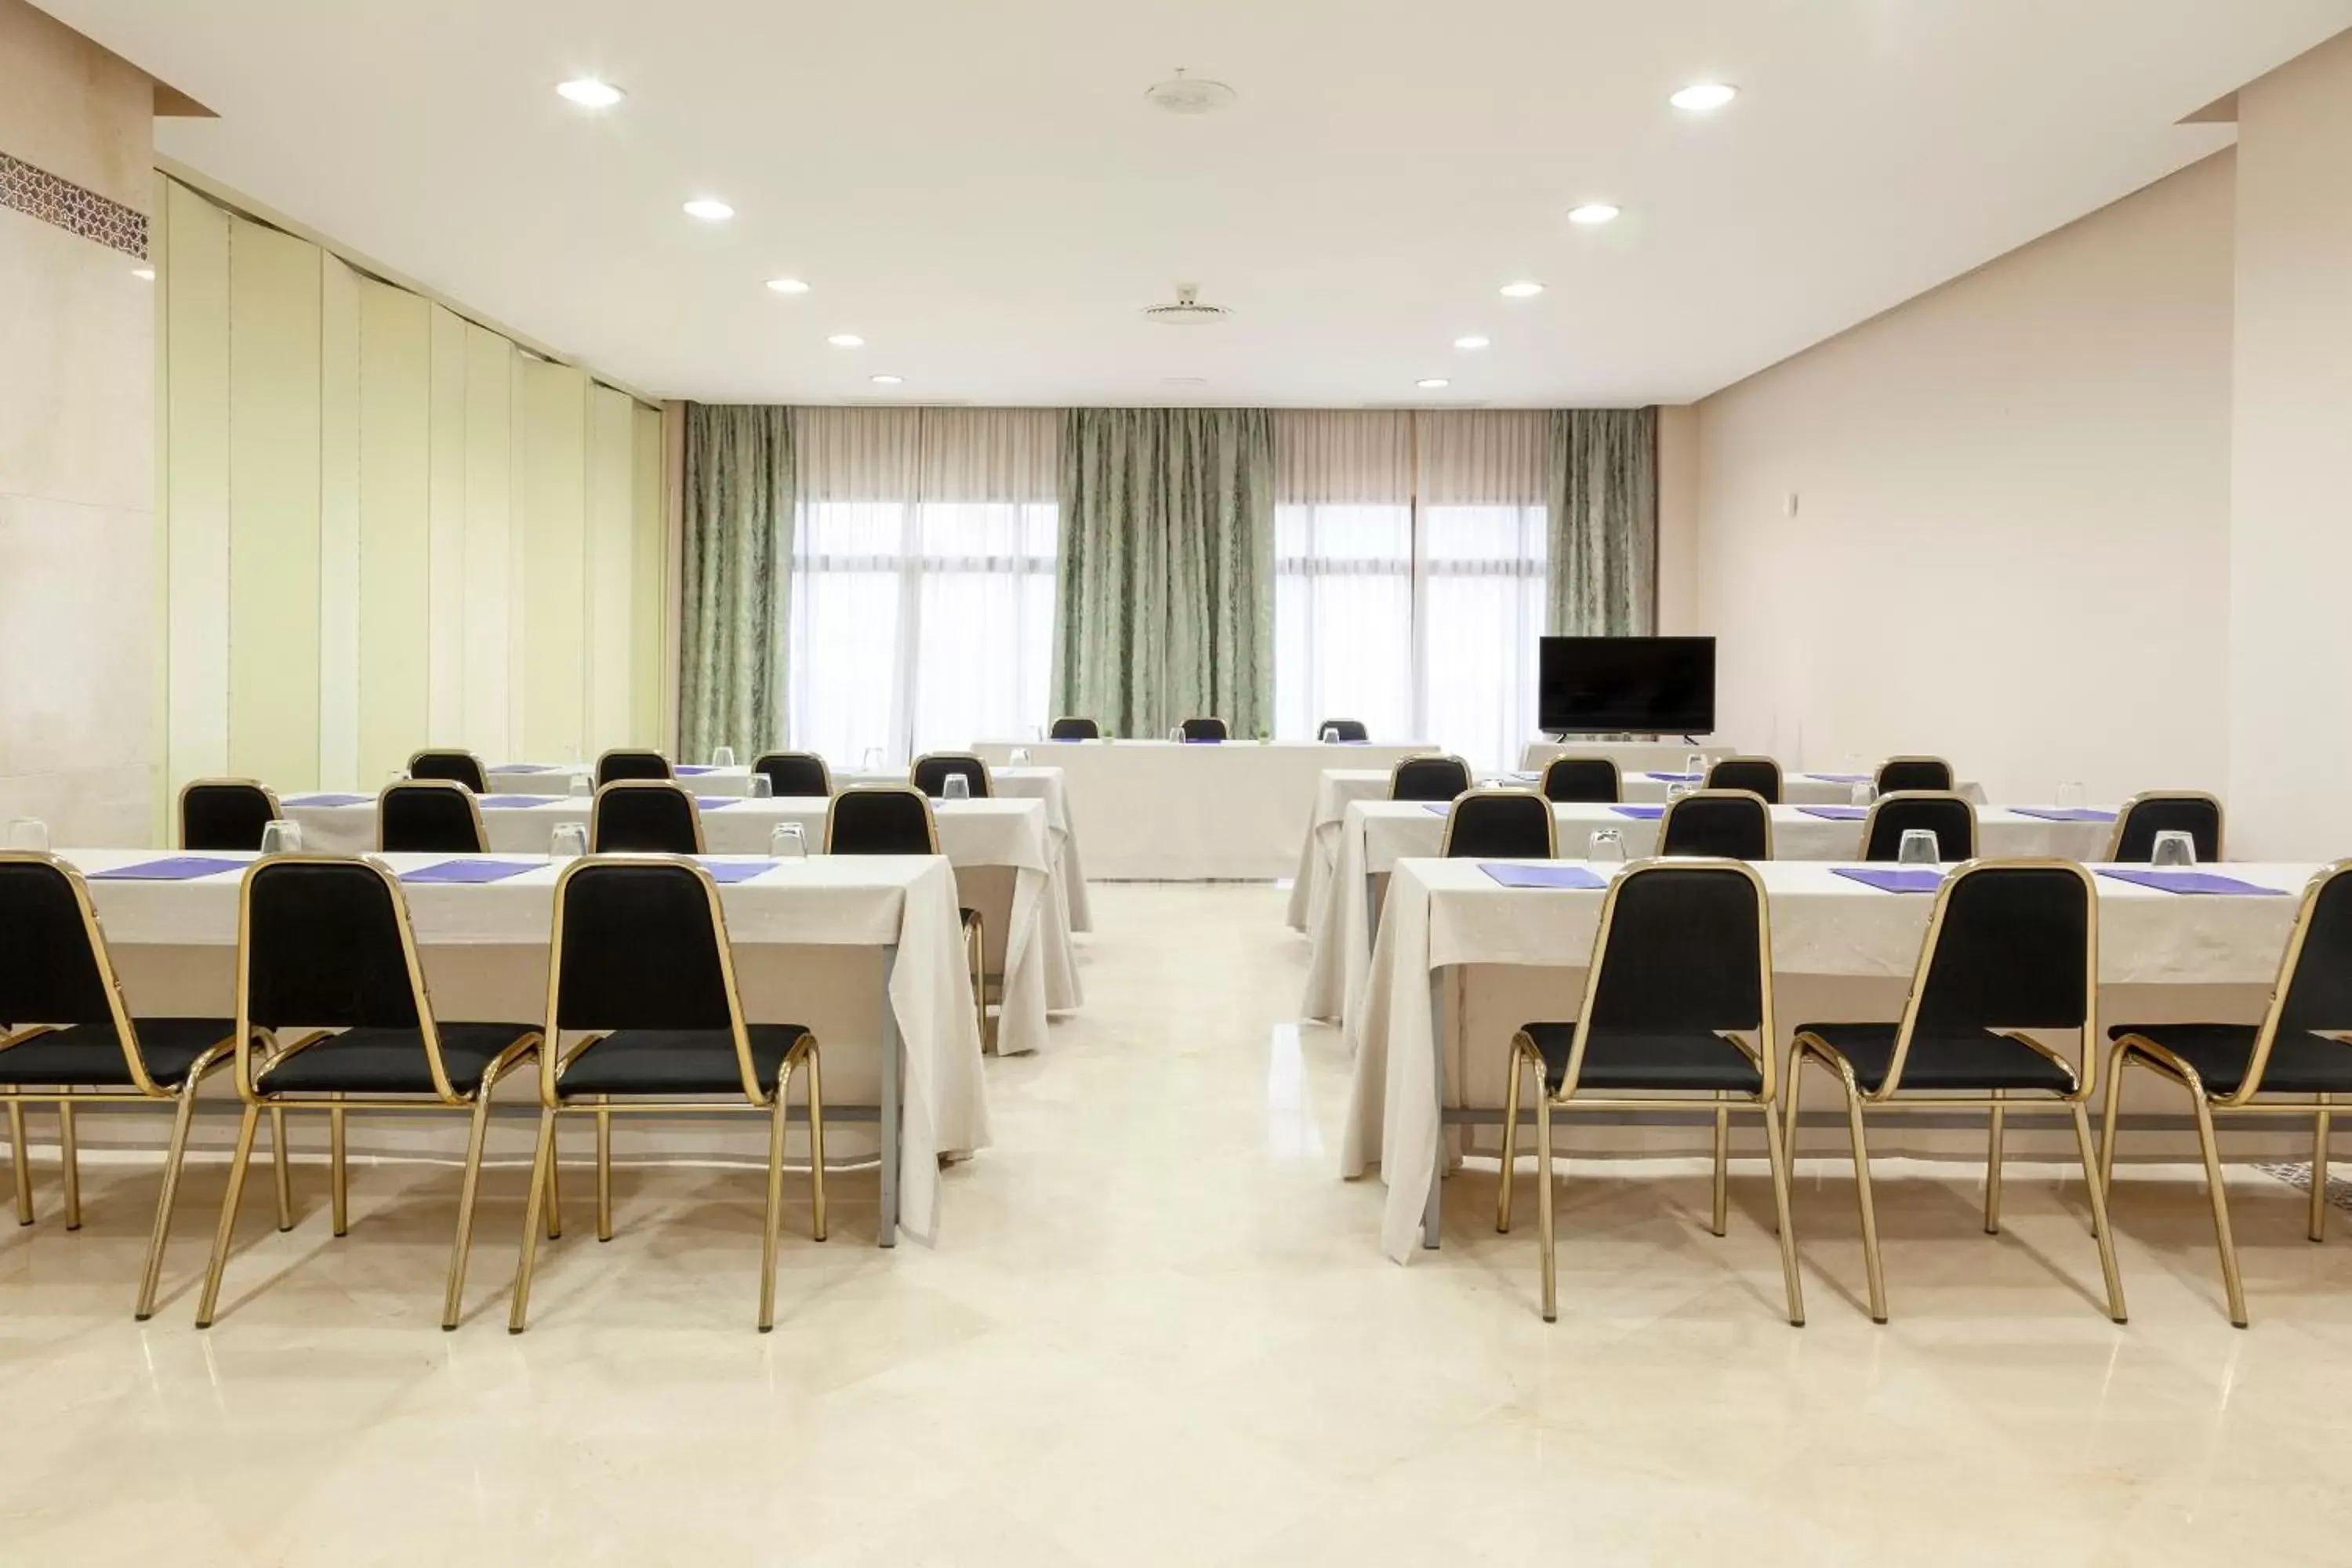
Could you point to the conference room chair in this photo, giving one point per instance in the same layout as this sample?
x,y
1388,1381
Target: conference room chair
x,y
2012,946
1723,823
1681,970
632,764
1758,775
458,767
72,1039
644,816
1429,778
2166,811
1500,824
1898,775
2296,1051
1587,780
1348,729
332,1015
931,771
226,814
1204,730
799,773
896,819
1071,729
643,1018
1951,817
429,816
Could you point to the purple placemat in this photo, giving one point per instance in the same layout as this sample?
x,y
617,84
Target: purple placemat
x,y
1679,778
528,768
1840,778
1438,807
727,872
469,871
509,801
1640,813
687,770
713,802
2186,881
2064,813
1836,813
1890,881
173,869
1527,777
327,799
1542,876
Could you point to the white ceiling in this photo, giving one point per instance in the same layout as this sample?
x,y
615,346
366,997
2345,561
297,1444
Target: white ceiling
x,y
979,187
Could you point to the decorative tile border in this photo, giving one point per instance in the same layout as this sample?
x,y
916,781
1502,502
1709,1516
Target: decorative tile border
x,y
40,194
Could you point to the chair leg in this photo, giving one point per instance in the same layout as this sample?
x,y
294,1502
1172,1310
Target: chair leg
x,y
70,1163
23,1172
226,1230
1722,1161
463,1246
2319,1129
2099,1227
975,934
1992,1169
1869,1211
1777,1150
1543,1208
603,1169
1510,1140
554,1188
2117,1059
2230,1283
771,1215
338,1186
543,1190
281,1159
174,1154
1792,1084
816,1147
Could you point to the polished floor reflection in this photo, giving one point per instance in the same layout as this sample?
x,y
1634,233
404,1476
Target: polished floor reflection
x,y
1158,1330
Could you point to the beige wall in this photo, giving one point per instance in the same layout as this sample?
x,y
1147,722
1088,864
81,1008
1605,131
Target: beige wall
x,y
2011,542
76,442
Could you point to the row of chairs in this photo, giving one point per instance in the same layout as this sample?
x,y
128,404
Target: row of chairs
x,y
1678,1008
1598,779
1202,729
333,1015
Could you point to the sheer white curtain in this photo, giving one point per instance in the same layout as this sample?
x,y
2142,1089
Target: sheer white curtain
x,y
1483,516
1343,573
922,589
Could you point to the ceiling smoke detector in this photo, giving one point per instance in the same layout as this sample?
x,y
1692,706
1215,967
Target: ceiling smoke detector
x,y
1186,309
1181,94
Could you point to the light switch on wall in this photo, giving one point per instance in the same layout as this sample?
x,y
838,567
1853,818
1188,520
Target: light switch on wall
x,y
1788,504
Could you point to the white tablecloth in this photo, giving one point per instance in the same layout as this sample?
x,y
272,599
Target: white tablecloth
x,y
1631,756
484,951
1443,913
1154,811
1040,967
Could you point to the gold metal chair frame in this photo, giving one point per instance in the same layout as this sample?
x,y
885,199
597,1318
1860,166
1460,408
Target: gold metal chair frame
x,y
1870,820
1879,771
596,810
1399,766
554,1063
473,807
275,810
2239,1103
2146,797
252,1069
823,767
414,757
143,1091
1666,817
988,775
669,769
1779,778
975,929
1994,1103
1525,1054
1453,814
1616,774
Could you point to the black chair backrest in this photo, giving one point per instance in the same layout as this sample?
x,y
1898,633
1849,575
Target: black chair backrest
x,y
1348,729
2008,947
1728,824
644,816
458,767
428,817
891,819
1680,950
632,765
323,948
1591,780
1949,818
1204,729
2146,816
638,946
930,774
2318,992
1429,778
1075,730
51,970
225,814
1896,774
1502,824
1757,775
801,774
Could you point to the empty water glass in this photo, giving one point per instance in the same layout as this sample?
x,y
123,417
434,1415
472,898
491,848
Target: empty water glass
x,y
957,788
2173,847
873,759
722,756
570,842
1696,765
1919,848
1176,734
760,786
2072,796
280,837
1860,793
582,784
1018,756
1330,735
1607,847
29,833
788,842
1676,791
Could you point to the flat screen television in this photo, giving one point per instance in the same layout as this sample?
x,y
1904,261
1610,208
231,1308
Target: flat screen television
x,y
1638,686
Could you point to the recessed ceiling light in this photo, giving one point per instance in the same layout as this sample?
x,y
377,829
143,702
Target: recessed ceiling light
x,y
1183,380
1432,382
1472,341
710,209
1522,290
847,341
1592,214
1705,97
886,380
589,93
146,274
788,285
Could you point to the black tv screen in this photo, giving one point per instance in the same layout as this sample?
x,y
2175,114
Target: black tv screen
x,y
1639,685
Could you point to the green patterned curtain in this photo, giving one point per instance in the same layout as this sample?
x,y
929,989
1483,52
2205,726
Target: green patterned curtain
x,y
1166,604
739,498
1603,550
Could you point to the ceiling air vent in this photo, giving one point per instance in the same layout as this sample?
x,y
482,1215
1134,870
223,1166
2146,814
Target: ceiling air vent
x,y
1186,309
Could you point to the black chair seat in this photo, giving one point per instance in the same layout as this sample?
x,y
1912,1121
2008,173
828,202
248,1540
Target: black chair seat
x,y
90,1053
1968,1059
392,1061
2299,1062
1647,1063
677,1061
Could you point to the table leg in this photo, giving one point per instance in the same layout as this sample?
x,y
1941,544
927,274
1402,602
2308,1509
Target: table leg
x,y
1432,1211
890,1112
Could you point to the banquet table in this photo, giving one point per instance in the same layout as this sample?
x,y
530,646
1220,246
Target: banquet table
x,y
1839,949
1631,756
999,849
1222,811
867,951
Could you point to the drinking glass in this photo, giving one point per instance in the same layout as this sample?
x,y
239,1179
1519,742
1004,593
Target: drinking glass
x,y
1330,735
1607,847
1695,766
582,784
1919,848
788,842
1018,757
570,842
280,837
1676,791
2173,847
1860,793
722,756
958,787
1176,734
2072,796
760,786
873,759
29,833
